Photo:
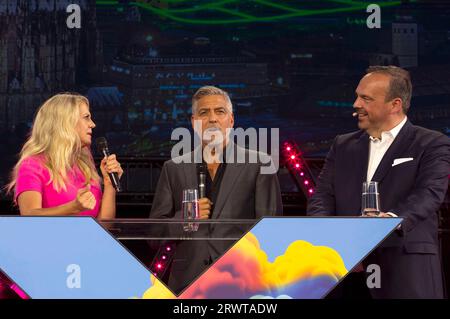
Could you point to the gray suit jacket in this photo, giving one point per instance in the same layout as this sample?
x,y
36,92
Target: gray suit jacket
x,y
244,193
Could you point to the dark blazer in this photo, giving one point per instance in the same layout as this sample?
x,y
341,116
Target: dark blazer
x,y
409,258
244,193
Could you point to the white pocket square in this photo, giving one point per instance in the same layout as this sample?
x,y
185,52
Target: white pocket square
x,y
398,161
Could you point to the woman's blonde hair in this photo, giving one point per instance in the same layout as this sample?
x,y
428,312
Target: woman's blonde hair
x,y
54,136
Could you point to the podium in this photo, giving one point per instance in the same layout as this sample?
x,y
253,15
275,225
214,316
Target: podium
x,y
275,257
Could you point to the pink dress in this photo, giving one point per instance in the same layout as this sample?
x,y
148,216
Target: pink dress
x,y
34,176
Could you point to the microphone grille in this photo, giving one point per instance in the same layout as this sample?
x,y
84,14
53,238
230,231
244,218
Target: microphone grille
x,y
101,144
202,168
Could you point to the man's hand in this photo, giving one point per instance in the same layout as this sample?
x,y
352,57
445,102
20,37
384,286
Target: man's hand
x,y
381,214
204,207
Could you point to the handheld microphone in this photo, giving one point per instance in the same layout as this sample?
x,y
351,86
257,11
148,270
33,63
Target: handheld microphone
x,y
355,114
102,147
202,180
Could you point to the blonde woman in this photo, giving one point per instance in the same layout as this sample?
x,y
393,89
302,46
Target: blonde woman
x,y
56,175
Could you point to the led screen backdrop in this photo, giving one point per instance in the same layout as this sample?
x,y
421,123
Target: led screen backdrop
x,y
287,64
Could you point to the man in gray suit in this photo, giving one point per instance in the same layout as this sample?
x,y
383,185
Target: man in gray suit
x,y
234,190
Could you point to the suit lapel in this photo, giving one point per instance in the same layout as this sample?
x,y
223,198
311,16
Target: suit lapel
x,y
190,175
190,172
361,156
232,172
396,149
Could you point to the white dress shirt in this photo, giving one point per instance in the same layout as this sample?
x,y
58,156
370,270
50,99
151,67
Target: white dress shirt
x,y
378,147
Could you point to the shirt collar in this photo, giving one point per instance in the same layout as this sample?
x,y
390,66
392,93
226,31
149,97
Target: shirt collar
x,y
391,133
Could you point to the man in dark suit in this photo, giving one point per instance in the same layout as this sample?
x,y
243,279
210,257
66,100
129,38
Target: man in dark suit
x,y
234,190
411,165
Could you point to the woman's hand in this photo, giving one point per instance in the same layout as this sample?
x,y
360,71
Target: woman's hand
x,y
85,199
110,165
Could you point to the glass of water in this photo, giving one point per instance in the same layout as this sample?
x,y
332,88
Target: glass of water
x,y
190,209
370,204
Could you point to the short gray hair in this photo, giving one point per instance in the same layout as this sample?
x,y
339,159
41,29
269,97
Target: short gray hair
x,y
399,86
207,91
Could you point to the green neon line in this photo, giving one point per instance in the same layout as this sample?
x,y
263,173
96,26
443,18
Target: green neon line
x,y
235,13
204,6
176,1
105,2
366,4
350,2
245,17
278,6
167,14
280,17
